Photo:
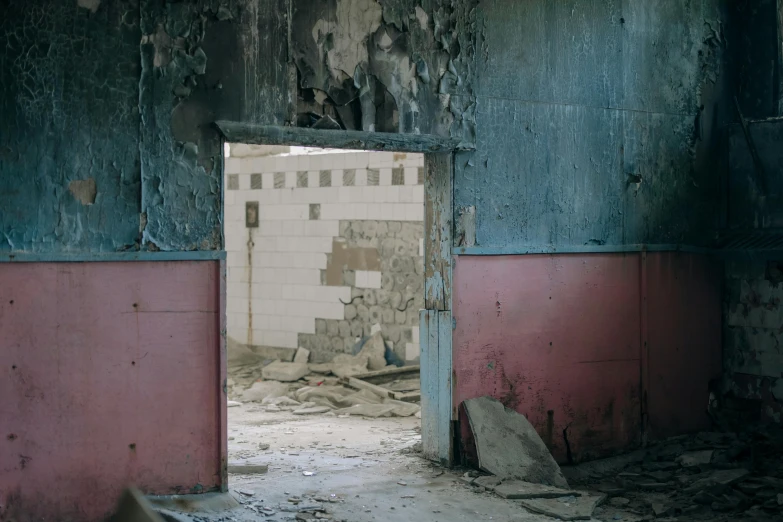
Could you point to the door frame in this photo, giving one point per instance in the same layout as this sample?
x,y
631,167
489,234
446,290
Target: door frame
x,y
435,321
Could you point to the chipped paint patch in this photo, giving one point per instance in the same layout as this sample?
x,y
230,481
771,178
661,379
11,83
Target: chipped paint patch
x,y
84,190
92,5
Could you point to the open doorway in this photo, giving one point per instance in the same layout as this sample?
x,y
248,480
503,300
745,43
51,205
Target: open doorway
x,y
325,283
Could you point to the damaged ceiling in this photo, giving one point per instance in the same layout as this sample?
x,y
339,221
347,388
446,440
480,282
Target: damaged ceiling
x,y
387,66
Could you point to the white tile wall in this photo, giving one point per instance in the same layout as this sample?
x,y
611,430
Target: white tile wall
x,y
281,283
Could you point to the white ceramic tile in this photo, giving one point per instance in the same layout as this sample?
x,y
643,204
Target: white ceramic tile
x,y
386,177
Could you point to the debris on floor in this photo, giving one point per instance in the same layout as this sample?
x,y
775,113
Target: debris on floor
x,y
508,445
363,384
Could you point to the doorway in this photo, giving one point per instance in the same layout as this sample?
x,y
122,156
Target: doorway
x,y
325,271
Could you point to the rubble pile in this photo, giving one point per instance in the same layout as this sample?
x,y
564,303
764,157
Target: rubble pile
x,y
298,508
694,476
308,389
707,476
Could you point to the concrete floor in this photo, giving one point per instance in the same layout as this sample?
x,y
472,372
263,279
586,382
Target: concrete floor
x,y
360,461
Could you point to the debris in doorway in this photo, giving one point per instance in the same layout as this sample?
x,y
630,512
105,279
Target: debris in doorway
x,y
233,404
285,371
264,389
508,445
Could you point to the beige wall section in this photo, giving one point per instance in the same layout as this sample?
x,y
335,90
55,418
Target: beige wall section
x,y
337,248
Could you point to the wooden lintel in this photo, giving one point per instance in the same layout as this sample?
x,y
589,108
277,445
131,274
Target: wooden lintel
x,y
236,132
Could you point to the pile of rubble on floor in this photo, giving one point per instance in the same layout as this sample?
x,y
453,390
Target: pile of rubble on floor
x,y
363,384
707,476
301,508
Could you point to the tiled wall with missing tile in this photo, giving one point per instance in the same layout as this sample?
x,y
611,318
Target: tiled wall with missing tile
x,y
322,247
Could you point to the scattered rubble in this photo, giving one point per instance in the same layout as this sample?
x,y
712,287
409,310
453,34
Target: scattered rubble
x,y
508,445
564,508
363,384
285,371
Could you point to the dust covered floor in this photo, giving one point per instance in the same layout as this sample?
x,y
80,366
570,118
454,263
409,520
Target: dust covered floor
x,y
363,469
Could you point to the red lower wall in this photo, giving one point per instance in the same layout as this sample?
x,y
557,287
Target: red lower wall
x,y
559,338
109,375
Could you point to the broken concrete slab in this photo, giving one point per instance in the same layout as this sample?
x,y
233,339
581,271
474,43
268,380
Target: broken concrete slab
x,y
564,508
508,445
284,371
312,410
402,409
723,477
263,389
302,355
374,350
519,489
344,365
247,467
323,368
695,458
368,410
282,402
487,481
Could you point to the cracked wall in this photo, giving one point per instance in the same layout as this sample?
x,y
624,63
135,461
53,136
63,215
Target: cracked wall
x,y
124,93
69,106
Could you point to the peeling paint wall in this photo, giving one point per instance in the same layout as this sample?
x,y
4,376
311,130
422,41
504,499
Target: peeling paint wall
x,y
69,112
124,93
385,65
596,122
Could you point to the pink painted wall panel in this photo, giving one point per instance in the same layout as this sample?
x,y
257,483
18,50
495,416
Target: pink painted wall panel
x,y
684,353
557,334
109,375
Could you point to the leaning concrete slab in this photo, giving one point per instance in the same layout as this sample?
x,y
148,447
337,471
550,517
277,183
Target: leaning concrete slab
x,y
508,445
564,508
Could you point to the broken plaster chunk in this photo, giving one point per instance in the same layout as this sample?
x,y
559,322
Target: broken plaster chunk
x,y
311,410
284,371
264,389
508,445
695,458
247,467
302,355
487,481
375,352
233,404
518,489
564,508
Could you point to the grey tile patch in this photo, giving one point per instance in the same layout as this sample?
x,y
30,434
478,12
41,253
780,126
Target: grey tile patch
x,y
349,178
373,177
398,176
279,180
301,180
233,182
315,211
256,181
421,176
325,178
